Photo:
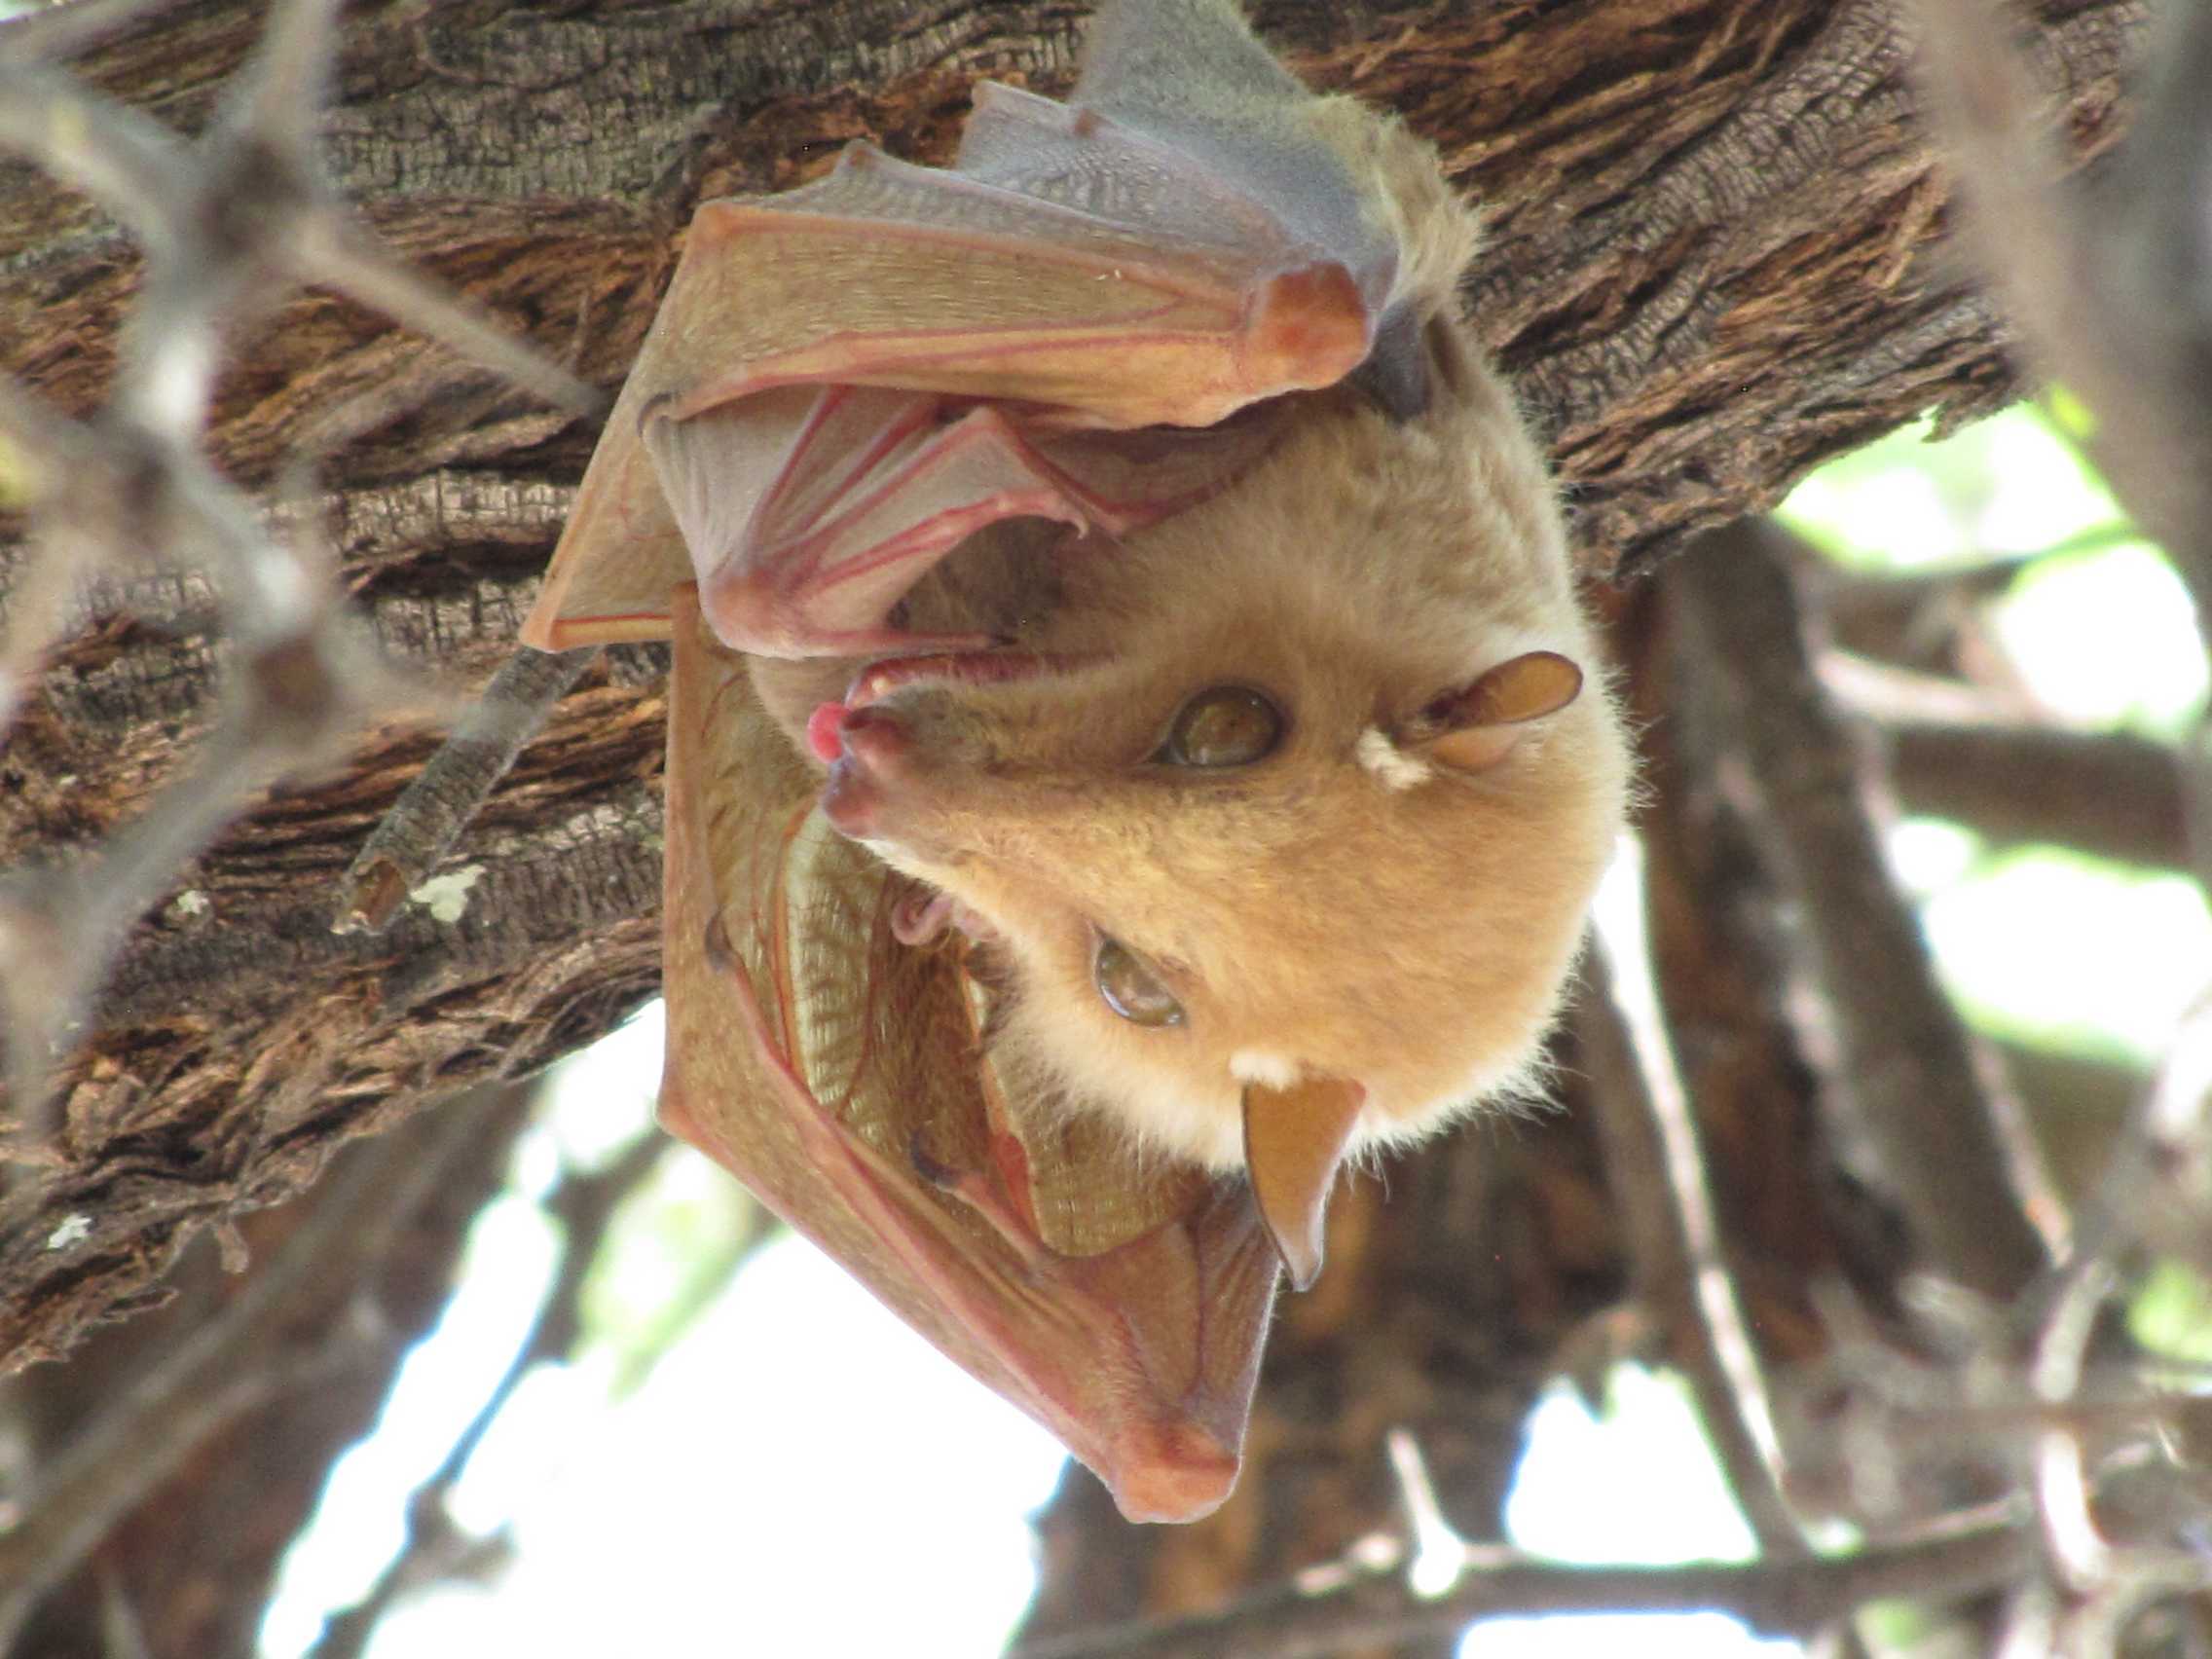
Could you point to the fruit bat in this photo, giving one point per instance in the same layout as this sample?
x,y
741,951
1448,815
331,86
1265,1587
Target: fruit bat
x,y
1133,742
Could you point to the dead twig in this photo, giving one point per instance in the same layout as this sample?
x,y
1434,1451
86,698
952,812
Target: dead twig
x,y
230,223
424,825
1330,1611
1907,1100
1655,1168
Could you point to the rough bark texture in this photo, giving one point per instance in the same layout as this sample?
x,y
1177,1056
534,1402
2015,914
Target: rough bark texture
x,y
1716,260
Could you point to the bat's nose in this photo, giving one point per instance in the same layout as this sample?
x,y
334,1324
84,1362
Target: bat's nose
x,y
875,737
823,732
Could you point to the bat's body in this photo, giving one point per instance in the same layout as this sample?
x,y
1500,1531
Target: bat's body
x,y
1350,907
1133,540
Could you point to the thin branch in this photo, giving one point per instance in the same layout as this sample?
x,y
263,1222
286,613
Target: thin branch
x,y
2109,793
65,30
435,1549
423,825
1900,1073
2165,1136
135,169
1362,1609
277,102
2155,1185
333,250
1958,750
1655,1168
1885,693
1932,620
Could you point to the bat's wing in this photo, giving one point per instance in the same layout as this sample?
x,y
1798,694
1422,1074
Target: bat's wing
x,y
839,510
840,497
834,1072
1070,259
1080,272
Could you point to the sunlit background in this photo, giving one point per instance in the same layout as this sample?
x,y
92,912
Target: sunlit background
x,y
719,1445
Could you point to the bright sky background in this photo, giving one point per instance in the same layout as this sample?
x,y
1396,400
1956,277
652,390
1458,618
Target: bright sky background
x,y
2038,943
756,1468
754,1480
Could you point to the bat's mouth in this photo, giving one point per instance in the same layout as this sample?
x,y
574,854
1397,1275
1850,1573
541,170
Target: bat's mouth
x,y
878,680
824,730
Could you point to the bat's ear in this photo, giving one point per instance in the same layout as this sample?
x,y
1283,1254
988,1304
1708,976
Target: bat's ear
x,y
1477,725
1294,1140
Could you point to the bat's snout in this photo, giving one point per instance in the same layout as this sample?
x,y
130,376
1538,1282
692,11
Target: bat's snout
x,y
870,747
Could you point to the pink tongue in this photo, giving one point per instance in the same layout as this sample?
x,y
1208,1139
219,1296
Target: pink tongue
x,y
824,732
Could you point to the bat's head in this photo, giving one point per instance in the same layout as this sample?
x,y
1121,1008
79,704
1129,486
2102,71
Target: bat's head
x,y
1282,824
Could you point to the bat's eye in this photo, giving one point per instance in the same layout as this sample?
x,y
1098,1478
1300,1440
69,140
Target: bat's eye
x,y
1130,988
1222,725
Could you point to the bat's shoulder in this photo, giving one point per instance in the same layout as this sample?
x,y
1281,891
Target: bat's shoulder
x,y
1401,173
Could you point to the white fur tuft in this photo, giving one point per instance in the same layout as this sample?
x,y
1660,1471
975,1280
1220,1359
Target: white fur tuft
x,y
1397,770
1263,1066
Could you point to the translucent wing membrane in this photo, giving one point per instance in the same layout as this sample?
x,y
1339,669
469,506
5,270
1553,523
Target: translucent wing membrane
x,y
855,1106
1075,274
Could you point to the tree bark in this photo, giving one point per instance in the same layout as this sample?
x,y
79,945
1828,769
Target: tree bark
x,y
1717,257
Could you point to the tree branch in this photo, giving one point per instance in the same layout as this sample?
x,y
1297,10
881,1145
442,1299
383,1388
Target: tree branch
x,y
1362,1609
584,1205
2109,793
1655,1168
1902,1078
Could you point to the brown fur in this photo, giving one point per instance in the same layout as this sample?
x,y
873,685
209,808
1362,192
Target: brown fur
x,y
1312,916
